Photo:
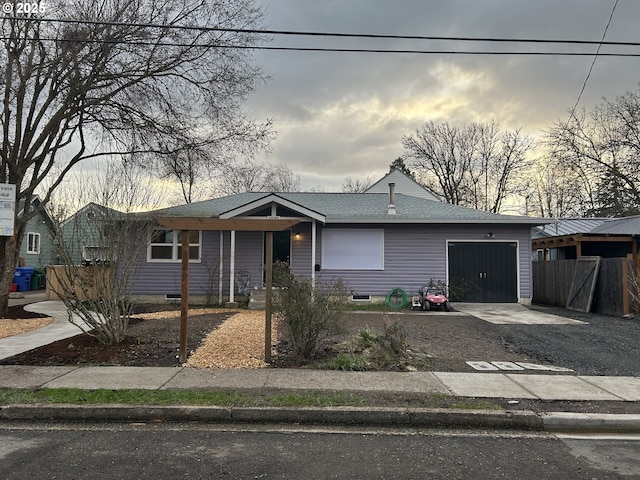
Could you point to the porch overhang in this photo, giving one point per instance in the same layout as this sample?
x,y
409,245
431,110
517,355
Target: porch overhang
x,y
228,224
268,225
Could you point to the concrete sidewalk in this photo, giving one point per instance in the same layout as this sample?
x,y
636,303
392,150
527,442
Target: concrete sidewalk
x,y
512,386
548,387
477,385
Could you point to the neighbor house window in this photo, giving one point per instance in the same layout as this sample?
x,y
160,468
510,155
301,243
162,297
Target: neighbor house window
x,y
33,242
352,249
95,255
166,246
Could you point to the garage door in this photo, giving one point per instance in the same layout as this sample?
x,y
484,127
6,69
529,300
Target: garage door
x,y
483,272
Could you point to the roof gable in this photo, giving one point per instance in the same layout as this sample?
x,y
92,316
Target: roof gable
x,y
404,184
270,199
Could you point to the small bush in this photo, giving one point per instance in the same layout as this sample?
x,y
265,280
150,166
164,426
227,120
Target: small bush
x,y
368,350
347,362
308,313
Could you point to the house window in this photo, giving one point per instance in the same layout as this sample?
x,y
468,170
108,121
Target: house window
x,y
166,246
95,255
352,249
33,242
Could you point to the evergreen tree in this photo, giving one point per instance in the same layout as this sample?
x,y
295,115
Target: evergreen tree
x,y
399,164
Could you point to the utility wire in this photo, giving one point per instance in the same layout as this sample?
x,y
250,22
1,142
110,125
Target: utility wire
x,y
595,57
328,34
320,49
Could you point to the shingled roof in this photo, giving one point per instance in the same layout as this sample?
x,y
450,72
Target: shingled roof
x,y
350,208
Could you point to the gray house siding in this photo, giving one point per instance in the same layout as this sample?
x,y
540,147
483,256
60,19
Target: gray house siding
x,y
415,254
164,278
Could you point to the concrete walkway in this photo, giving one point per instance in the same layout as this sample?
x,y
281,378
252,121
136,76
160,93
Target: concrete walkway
x,y
59,329
512,313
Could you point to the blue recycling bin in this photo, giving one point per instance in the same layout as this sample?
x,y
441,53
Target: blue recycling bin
x,y
22,277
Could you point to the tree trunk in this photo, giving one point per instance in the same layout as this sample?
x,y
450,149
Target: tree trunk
x,y
9,251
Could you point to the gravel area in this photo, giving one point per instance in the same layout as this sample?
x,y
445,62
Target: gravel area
x,y
606,345
11,327
237,343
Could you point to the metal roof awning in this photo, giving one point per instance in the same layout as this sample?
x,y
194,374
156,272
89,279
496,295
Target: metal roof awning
x,y
578,238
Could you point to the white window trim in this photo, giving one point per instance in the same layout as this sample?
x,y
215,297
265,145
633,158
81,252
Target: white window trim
x,y
37,250
175,246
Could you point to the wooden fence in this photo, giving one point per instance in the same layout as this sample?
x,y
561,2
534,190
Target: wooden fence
x,y
614,291
79,281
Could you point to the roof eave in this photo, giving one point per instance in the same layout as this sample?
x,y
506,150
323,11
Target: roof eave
x,y
422,221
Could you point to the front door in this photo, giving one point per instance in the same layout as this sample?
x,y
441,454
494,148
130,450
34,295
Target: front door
x,y
281,248
483,272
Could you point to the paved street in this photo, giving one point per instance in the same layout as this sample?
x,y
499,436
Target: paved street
x,y
87,451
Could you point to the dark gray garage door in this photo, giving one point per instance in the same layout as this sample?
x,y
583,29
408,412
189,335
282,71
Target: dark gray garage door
x,y
483,272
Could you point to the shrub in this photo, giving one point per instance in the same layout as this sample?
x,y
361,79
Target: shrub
x,y
308,313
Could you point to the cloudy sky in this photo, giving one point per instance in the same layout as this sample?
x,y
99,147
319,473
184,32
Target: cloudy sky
x,y
343,115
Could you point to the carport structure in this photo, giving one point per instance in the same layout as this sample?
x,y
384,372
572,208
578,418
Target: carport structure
x,y
255,224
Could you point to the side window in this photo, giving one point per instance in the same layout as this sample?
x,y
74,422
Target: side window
x,y
166,246
33,243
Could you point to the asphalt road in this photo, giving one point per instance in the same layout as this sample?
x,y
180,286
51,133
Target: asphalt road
x,y
604,346
200,451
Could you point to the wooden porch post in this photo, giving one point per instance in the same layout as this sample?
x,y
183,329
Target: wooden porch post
x,y
269,285
636,273
220,267
184,296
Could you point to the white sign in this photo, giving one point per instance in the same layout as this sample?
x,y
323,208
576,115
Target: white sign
x,y
7,209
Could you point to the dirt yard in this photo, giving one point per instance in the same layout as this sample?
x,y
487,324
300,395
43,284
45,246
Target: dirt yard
x,y
219,338
235,339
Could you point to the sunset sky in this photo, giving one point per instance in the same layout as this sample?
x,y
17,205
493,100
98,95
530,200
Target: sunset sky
x,y
344,114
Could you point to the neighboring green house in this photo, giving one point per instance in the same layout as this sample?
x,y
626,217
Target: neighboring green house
x,y
83,237
37,249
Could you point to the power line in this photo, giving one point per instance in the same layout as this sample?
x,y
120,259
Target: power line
x,y
330,34
595,57
321,49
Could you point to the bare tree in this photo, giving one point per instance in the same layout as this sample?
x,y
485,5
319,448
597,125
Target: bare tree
x,y
603,148
256,177
554,191
99,250
355,185
474,165
115,77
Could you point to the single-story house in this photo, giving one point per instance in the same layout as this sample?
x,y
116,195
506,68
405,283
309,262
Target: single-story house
x,y
375,242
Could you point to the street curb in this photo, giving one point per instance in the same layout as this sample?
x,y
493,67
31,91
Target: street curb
x,y
570,422
515,420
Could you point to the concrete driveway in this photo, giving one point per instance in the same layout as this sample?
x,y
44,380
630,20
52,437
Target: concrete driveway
x,y
510,313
